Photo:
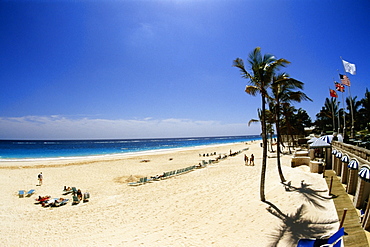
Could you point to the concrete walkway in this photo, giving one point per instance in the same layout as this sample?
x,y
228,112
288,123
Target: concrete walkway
x,y
356,236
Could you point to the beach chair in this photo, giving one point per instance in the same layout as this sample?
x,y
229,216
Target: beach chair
x,y
141,181
21,193
49,203
86,197
336,240
75,200
66,190
74,190
30,193
58,202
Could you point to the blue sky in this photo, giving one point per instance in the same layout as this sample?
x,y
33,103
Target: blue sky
x,y
140,69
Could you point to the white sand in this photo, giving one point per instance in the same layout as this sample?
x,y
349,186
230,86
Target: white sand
x,y
215,206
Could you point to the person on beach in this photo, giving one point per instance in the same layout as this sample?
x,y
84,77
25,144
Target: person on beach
x,y
251,160
40,178
79,194
245,159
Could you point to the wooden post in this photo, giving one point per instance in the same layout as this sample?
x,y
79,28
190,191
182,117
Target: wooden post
x,y
343,217
324,168
331,184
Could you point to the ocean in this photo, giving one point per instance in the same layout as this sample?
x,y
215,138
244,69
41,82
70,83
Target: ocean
x,y
30,149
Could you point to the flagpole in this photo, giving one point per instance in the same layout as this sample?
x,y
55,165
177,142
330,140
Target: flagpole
x,y
332,112
344,118
338,116
352,127
344,113
351,107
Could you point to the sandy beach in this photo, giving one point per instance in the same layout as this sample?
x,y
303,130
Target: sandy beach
x,y
218,205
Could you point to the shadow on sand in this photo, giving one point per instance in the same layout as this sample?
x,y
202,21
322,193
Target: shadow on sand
x,y
295,226
310,195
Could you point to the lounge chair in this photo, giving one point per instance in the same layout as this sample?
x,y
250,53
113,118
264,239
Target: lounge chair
x,y
336,240
30,193
74,191
21,193
66,190
49,202
75,200
59,202
86,197
141,181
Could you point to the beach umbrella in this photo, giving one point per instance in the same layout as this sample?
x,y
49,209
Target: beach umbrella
x,y
334,151
338,155
312,140
353,164
319,143
364,173
329,138
345,159
131,178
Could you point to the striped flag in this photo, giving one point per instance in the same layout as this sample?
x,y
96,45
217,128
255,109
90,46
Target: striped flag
x,y
349,67
339,87
345,80
333,93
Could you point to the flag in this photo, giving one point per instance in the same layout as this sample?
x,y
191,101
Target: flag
x,y
333,93
345,80
349,67
339,87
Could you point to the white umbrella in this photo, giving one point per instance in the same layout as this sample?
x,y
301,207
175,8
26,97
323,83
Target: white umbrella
x,y
338,155
312,140
329,138
319,144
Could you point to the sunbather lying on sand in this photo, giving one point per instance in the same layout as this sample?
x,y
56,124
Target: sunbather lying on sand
x,y
67,188
43,198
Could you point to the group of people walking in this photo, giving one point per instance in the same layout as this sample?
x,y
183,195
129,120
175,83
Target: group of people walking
x,y
249,160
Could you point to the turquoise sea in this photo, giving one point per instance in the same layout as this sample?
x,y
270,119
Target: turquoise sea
x,y
31,149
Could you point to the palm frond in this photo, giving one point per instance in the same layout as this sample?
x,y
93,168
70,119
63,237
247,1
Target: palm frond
x,y
253,121
252,90
239,63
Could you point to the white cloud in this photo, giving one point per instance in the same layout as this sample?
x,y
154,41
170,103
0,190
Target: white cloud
x,y
60,127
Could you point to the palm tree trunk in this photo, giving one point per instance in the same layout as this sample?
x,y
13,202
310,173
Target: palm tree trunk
x,y
264,146
271,146
282,179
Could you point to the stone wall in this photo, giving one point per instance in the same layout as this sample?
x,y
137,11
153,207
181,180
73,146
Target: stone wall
x,y
354,185
360,153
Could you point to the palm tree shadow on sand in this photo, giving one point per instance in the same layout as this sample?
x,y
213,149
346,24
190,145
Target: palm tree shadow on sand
x,y
295,226
310,195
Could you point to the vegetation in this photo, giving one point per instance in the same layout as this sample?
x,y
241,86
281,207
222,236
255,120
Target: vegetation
x,y
327,118
284,91
277,89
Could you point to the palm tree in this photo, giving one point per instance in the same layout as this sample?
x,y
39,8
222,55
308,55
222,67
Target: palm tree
x,y
365,111
269,122
287,126
332,106
355,108
283,93
262,71
327,115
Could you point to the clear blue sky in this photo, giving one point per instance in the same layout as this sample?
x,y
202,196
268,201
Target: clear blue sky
x,y
138,69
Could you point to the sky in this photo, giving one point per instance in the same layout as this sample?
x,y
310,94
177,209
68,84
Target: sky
x,y
156,69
